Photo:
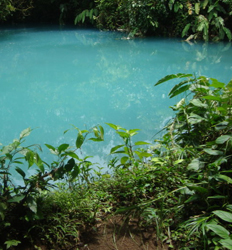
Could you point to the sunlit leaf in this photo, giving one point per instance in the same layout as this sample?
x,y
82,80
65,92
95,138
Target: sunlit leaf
x,y
113,126
112,151
63,147
25,132
219,230
141,143
226,216
227,243
212,151
198,103
124,159
222,139
173,76
225,178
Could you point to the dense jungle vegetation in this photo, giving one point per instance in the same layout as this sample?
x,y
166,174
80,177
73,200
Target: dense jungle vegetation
x,y
192,19
180,185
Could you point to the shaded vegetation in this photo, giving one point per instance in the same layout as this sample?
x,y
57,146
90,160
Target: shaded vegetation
x,y
180,185
207,20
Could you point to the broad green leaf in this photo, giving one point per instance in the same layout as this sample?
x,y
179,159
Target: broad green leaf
x,y
228,33
116,127
124,159
205,3
31,202
213,98
17,198
133,132
50,147
80,139
185,30
73,155
173,76
198,189
179,91
63,147
212,151
198,103
195,165
227,243
20,171
225,178
25,132
177,86
143,154
219,230
223,138
142,143
197,8
70,164
216,83
10,243
226,216
123,134
112,151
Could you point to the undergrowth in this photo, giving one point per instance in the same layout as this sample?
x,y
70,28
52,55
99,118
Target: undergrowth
x,y
180,185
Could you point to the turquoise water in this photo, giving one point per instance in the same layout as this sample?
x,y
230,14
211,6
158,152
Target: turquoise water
x,y
52,77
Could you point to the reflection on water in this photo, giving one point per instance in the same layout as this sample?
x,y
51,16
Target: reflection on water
x,y
51,78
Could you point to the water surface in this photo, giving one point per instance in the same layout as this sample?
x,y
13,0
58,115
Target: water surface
x,y
52,77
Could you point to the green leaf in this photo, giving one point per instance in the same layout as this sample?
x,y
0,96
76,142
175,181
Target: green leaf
x,y
213,98
70,164
124,159
198,189
123,134
197,8
228,33
20,171
216,83
50,147
80,139
112,151
179,91
212,151
142,143
173,76
116,127
63,147
73,155
185,30
219,230
143,154
17,198
198,103
195,165
31,202
227,243
10,243
205,3
225,178
101,132
226,216
222,139
25,133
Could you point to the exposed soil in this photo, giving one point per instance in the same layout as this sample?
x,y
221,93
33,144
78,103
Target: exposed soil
x,y
116,234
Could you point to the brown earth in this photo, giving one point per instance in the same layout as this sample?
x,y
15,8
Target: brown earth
x,y
116,234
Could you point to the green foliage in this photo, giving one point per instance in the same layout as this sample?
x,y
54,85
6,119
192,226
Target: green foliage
x,y
208,20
